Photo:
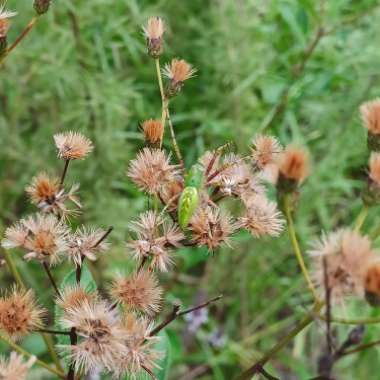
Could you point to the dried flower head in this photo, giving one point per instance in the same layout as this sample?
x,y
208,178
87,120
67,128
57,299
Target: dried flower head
x,y
139,292
151,170
154,31
43,236
262,217
41,6
100,336
140,354
294,164
211,227
14,367
72,145
347,255
171,193
46,193
374,168
75,296
4,21
265,150
153,131
19,313
154,237
178,71
86,242
370,113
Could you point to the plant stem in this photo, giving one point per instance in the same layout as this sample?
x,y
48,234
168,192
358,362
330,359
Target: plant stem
x,y
63,176
53,332
41,363
51,278
297,250
361,348
26,30
343,321
282,343
166,114
360,219
12,268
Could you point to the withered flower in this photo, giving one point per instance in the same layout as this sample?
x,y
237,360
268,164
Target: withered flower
x,y
348,256
100,336
141,354
43,236
370,113
151,170
14,367
72,145
171,193
294,164
211,227
154,31
262,217
19,313
153,131
265,150
74,296
46,193
139,292
154,236
86,242
41,6
178,71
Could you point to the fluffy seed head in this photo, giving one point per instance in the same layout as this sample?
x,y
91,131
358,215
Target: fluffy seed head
x,y
265,150
4,20
138,292
100,336
262,217
14,368
370,113
19,314
151,170
294,164
178,71
72,145
374,168
153,131
85,243
154,31
348,256
171,193
154,237
43,236
74,296
211,227
140,353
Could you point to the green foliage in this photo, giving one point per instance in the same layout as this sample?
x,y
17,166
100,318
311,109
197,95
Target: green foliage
x,y
84,68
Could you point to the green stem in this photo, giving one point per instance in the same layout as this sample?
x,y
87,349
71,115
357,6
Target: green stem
x,y
41,363
47,339
297,250
309,318
360,219
343,321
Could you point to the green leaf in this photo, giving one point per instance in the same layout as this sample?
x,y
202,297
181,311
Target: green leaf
x,y
164,347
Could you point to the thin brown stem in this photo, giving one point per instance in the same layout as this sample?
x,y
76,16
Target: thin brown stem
x,y
177,313
149,372
173,137
109,230
53,332
73,341
51,278
361,348
142,263
63,176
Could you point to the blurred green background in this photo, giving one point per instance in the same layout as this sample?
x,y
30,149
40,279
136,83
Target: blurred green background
x,y
296,69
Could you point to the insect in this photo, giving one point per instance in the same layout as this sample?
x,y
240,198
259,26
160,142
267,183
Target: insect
x,y
189,199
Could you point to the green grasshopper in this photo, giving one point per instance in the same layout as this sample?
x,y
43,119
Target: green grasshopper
x,y
194,181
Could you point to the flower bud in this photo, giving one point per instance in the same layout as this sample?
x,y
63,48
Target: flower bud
x,y
153,131
154,31
372,285
178,71
41,6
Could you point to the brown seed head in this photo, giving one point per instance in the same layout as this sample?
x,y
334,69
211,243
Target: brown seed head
x,y
43,189
294,164
19,314
370,113
4,21
74,297
265,150
72,145
153,131
138,292
151,170
178,71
